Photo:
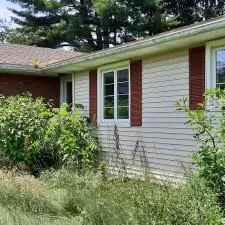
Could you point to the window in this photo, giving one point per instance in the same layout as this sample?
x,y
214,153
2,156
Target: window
x,y
66,90
116,94
69,94
220,68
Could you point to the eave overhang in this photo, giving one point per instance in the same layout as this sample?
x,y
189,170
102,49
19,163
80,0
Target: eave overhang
x,y
185,37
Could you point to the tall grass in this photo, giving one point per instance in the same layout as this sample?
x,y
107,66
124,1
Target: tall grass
x,y
136,201
63,197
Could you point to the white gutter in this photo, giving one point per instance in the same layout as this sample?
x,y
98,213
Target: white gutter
x,y
21,69
172,35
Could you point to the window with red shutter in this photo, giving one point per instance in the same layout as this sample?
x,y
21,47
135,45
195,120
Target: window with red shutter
x,y
120,94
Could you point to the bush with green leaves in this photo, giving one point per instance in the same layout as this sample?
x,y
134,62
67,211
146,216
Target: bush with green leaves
x,y
208,124
74,136
33,132
22,125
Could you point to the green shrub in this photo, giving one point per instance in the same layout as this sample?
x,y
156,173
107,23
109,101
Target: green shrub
x,y
74,137
31,131
209,132
22,125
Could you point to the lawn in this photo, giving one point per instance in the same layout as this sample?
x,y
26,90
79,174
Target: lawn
x,y
63,197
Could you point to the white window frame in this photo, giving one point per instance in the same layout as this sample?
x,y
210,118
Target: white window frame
x,y
63,88
210,68
214,83
210,65
101,71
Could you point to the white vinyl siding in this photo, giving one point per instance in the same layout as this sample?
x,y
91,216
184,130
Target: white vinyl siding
x,y
164,141
81,90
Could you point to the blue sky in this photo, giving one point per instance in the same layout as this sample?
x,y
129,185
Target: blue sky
x,y
4,12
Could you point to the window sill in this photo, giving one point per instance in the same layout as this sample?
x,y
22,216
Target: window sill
x,y
114,122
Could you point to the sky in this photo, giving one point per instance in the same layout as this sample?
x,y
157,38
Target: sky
x,y
4,12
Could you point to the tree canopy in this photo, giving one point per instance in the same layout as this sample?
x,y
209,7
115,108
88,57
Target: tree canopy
x,y
90,25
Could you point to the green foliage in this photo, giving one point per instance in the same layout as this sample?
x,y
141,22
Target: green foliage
x,y
191,11
25,201
63,197
31,131
209,132
22,124
74,137
85,25
98,24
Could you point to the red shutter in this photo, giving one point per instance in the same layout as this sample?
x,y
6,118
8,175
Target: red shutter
x,y
196,76
136,92
93,95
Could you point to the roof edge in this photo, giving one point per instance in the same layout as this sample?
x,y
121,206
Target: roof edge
x,y
167,36
21,69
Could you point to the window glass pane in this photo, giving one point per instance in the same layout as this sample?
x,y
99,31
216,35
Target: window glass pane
x,y
109,78
109,101
220,58
122,75
123,88
122,95
109,90
123,100
220,72
109,95
123,113
220,68
221,86
109,113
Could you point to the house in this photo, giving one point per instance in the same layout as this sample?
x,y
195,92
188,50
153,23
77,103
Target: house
x,y
20,72
131,91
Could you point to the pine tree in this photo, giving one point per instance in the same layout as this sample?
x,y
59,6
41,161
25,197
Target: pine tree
x,y
191,11
212,8
86,25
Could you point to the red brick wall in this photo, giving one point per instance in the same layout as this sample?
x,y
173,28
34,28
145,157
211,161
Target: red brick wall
x,y
46,87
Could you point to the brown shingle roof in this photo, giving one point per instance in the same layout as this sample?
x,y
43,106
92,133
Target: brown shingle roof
x,y
23,55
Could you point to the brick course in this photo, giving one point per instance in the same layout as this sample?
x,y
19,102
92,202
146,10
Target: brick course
x,y
38,86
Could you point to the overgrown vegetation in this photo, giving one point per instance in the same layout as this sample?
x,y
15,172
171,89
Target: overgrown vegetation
x,y
33,133
74,137
208,124
63,197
